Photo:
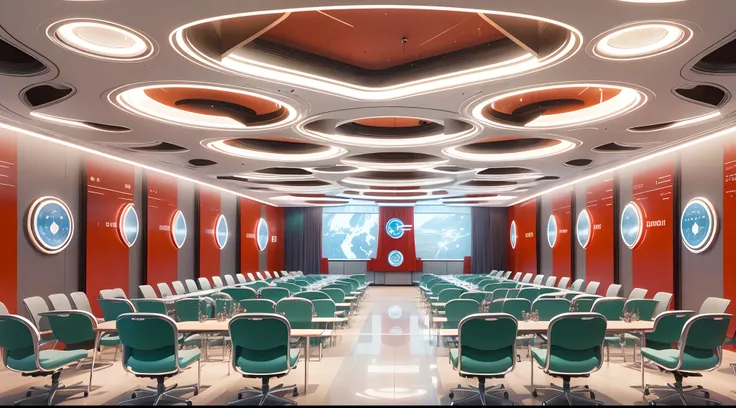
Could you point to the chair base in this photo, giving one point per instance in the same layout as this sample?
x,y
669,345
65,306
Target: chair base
x,y
265,395
158,394
567,394
679,392
49,391
482,395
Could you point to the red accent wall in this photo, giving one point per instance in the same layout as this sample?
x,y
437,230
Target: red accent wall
x,y
729,227
275,220
110,186
652,260
405,244
562,251
524,257
162,263
209,253
599,253
250,213
9,222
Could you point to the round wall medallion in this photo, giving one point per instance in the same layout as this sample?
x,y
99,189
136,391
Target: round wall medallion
x,y
584,228
512,235
698,224
128,225
262,234
552,231
178,229
221,231
50,225
395,258
395,228
632,225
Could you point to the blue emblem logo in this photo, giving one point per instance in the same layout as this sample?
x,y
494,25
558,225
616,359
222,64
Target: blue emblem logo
x,y
698,224
178,229
552,231
262,234
128,225
395,228
512,235
632,225
583,228
221,231
50,225
395,258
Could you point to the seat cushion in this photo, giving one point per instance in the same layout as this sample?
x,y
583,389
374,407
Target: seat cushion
x,y
484,362
48,359
692,360
294,356
109,341
567,361
187,357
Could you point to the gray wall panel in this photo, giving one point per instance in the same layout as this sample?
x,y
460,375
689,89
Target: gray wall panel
x,y
623,183
185,203
135,253
579,195
435,267
543,248
263,255
336,267
454,267
229,254
355,267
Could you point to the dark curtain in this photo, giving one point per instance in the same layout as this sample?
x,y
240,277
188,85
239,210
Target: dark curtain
x,y
303,239
489,239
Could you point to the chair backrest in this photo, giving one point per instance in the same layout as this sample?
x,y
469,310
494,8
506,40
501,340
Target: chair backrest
x,y
273,293
164,290
324,307
179,288
475,347
702,338
147,292
35,305
3,308
592,287
240,278
530,294
614,290
448,294
251,278
259,276
298,312
229,280
477,296
267,274
258,306
577,285
551,281
312,295
507,274
119,293
563,282
187,309
638,293
516,307
191,285
74,328
254,336
565,344
664,300
714,305
19,341
241,293
81,302
204,283
668,327
292,288
550,308
150,343
337,295
612,308
112,308
538,279
458,309
517,276
436,289
149,306
527,278
60,301
217,281
643,307
582,303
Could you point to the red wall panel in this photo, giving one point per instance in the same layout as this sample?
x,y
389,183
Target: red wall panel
x,y
162,263
729,228
275,220
405,244
562,251
209,252
9,222
109,188
599,253
524,257
250,213
653,259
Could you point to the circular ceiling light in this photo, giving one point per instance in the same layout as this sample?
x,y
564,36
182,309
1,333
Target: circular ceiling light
x,y
178,229
632,225
512,235
393,161
641,40
552,231
101,39
584,228
221,231
274,149
509,149
50,225
128,225
204,106
698,224
557,106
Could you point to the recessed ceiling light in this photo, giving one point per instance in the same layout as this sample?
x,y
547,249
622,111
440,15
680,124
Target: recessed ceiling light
x,y
485,151
101,39
641,40
274,150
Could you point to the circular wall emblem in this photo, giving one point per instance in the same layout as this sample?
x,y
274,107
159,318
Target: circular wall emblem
x,y
178,229
584,228
395,258
552,231
128,225
221,231
262,234
698,224
50,225
395,228
512,235
632,225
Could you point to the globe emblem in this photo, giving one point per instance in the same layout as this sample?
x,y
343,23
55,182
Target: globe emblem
x,y
395,258
221,231
179,229
128,225
395,228
262,234
552,231
631,225
50,225
583,228
512,234
698,224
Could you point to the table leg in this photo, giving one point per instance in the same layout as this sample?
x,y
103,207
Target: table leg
x,y
641,361
306,363
94,356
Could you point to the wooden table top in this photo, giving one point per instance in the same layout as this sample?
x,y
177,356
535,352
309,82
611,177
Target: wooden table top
x,y
213,326
541,327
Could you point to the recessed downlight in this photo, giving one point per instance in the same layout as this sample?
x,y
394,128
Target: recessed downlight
x,y
101,39
641,40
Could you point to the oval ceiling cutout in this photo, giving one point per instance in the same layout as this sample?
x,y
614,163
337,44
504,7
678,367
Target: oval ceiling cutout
x,y
202,162
721,60
704,94
488,183
509,148
615,147
337,169
656,127
548,178
101,127
285,171
578,162
394,160
101,39
158,147
275,149
451,169
641,40
16,62
37,96
397,179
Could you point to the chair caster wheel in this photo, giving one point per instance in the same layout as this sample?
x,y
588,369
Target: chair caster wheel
x,y
240,396
646,391
189,403
592,395
133,396
86,394
451,395
652,403
706,395
586,386
459,386
28,394
535,394
544,404
295,393
196,392
505,395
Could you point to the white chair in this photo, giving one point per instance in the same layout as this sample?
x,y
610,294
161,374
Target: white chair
x,y
229,280
551,281
276,275
538,279
204,284
638,293
164,289
240,278
147,292
562,284
592,288
179,288
710,305
259,276
614,290
251,278
59,301
517,276
527,278
218,282
267,274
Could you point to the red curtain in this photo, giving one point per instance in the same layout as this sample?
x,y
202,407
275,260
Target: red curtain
x,y
404,244
324,266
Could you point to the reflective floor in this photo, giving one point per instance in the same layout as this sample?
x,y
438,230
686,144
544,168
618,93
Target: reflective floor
x,y
384,357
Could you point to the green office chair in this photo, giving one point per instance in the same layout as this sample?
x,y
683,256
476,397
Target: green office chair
x,y
699,349
477,296
257,285
530,294
261,349
258,306
612,308
273,293
20,342
292,288
568,355
550,308
445,296
458,309
481,356
644,309
582,303
303,283
149,306
112,308
312,295
242,293
151,350
299,313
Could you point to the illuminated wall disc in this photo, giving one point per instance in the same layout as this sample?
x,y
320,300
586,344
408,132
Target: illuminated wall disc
x,y
632,225
262,234
178,229
221,231
698,224
395,228
395,258
512,235
128,225
584,228
50,225
552,231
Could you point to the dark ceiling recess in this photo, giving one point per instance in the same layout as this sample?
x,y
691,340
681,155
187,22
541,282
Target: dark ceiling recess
x,y
451,169
579,162
487,183
202,162
527,113
502,171
377,128
107,128
285,171
548,178
399,175
239,113
392,157
14,62
720,60
276,146
293,183
504,145
335,169
614,147
160,147
705,94
653,127
40,95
